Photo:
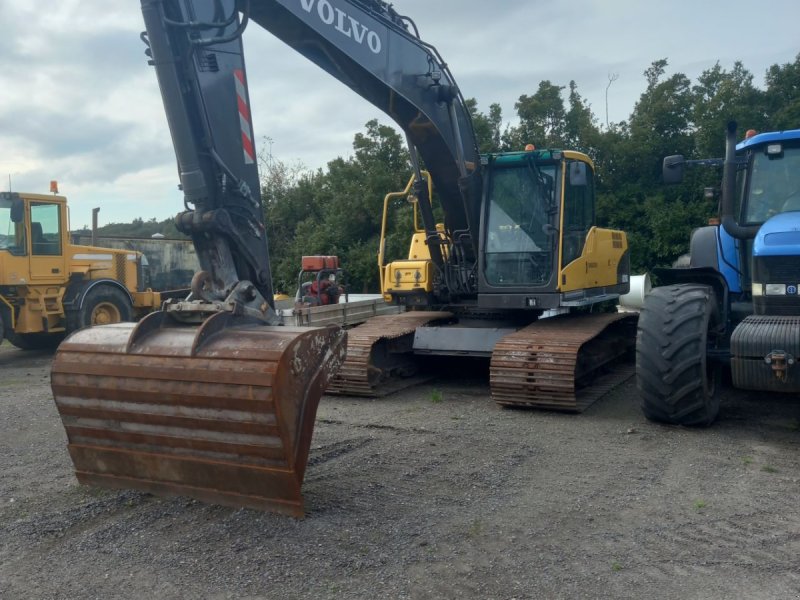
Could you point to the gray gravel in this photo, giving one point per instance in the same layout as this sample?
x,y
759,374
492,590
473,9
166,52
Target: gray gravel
x,y
430,493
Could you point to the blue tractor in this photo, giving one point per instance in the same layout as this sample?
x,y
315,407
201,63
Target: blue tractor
x,y
735,302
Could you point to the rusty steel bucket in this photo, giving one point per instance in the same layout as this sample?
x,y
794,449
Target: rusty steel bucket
x,y
223,412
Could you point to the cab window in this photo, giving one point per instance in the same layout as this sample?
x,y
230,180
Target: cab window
x,y
774,185
578,209
45,229
518,246
12,227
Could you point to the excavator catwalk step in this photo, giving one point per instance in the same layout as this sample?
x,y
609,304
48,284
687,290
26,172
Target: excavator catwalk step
x,y
223,413
562,363
379,359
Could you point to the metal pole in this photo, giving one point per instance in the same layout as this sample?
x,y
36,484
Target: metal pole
x,y
94,225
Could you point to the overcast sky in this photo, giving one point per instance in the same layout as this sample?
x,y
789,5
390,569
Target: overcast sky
x,y
79,104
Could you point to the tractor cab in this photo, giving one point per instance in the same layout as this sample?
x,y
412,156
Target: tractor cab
x,y
768,181
768,190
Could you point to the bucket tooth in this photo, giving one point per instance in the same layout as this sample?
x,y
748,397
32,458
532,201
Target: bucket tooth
x,y
223,412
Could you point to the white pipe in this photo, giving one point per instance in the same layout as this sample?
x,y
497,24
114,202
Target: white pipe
x,y
640,287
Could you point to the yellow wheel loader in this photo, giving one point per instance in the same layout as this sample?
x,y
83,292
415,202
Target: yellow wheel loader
x,y
50,287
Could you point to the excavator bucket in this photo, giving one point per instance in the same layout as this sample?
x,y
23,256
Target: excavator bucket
x,y
223,412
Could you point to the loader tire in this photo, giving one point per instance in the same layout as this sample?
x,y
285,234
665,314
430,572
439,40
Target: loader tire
x,y
2,329
103,305
676,382
35,341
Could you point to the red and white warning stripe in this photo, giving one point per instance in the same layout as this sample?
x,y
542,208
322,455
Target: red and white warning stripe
x,y
244,118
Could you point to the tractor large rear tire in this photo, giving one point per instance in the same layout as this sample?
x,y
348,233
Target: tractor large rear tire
x,y
676,382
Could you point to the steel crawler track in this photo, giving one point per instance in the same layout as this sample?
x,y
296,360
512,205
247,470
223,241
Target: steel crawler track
x,y
553,363
379,354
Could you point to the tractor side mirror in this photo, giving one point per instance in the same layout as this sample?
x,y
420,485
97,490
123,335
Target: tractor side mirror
x,y
17,210
672,169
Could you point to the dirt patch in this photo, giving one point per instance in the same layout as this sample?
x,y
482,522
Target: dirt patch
x,y
433,492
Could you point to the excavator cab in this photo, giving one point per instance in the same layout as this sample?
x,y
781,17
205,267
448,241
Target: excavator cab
x,y
539,248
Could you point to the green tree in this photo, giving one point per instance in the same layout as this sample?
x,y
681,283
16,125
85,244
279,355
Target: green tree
x,y
631,196
580,125
487,126
542,119
721,96
783,95
338,211
660,124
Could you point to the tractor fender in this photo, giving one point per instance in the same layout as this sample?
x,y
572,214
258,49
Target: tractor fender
x,y
77,290
704,276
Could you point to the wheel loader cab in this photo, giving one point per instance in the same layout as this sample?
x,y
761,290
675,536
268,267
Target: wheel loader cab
x,y
32,236
50,287
46,220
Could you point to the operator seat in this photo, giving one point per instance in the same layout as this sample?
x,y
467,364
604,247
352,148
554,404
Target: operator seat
x,y
39,244
37,238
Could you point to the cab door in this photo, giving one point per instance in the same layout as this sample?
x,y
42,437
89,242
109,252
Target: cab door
x,y
14,260
578,215
46,241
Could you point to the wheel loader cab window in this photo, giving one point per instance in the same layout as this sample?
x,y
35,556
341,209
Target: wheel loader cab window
x,y
45,229
12,228
521,210
774,184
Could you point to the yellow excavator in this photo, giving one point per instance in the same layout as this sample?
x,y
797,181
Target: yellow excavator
x,y
209,397
524,297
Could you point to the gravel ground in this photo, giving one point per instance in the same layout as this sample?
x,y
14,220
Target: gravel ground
x,y
433,492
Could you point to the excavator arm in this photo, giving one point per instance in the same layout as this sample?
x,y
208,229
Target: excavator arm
x,y
196,49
